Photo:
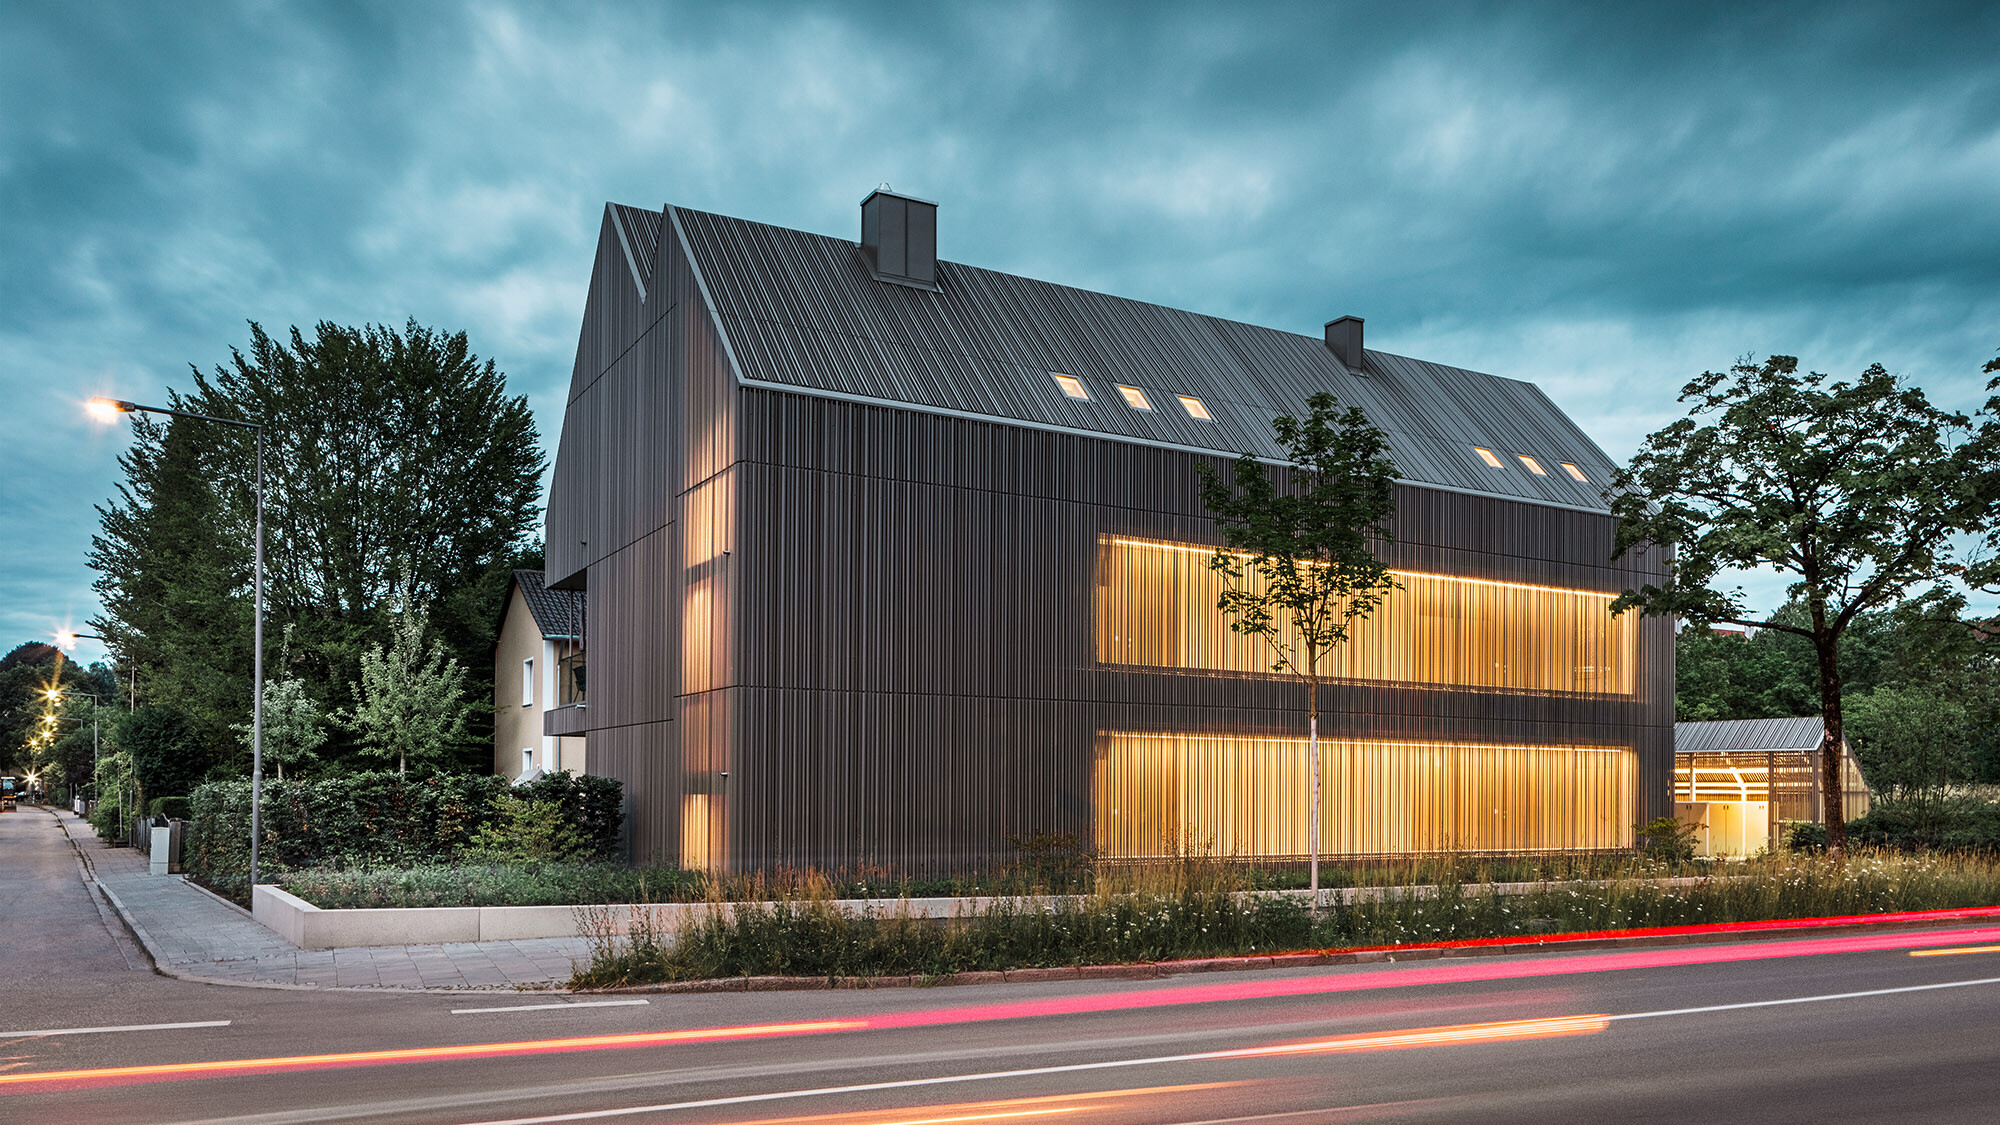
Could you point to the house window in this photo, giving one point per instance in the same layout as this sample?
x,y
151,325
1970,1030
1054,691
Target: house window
x,y
527,759
1134,397
527,683
1573,471
1071,386
1486,455
1194,408
1533,465
1238,793
1156,608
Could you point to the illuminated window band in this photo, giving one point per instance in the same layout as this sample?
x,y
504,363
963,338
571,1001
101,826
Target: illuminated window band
x,y
1238,796
1156,608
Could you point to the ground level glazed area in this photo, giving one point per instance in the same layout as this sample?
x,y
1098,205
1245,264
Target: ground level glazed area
x,y
1158,794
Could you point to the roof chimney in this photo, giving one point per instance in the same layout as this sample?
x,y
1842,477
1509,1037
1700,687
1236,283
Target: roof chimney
x,y
899,238
1343,338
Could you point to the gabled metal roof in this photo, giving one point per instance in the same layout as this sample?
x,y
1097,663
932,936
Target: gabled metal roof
x,y
801,311
1749,734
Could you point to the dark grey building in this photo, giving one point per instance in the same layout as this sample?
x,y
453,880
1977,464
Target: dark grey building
x,y
891,559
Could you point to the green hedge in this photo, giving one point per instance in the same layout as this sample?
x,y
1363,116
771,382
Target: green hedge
x,y
375,819
1953,824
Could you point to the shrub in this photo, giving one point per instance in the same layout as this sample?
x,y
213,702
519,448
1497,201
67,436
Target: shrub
x,y
526,831
370,820
1667,839
497,884
1805,836
173,808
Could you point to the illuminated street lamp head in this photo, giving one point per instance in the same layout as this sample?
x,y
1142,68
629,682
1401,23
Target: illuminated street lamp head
x,y
108,409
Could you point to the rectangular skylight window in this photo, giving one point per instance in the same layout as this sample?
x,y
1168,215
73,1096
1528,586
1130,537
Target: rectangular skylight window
x,y
1533,465
1071,386
1575,472
1486,455
1194,407
1134,397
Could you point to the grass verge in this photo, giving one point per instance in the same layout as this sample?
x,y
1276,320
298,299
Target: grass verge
x,y
1197,909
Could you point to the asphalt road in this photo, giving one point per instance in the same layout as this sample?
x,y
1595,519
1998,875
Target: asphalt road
x,y
1826,1029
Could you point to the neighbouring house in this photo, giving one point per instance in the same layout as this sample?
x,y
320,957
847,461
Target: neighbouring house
x,y
537,666
1739,780
895,560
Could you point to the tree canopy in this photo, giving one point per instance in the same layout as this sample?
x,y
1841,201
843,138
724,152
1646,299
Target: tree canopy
x,y
1861,491
395,461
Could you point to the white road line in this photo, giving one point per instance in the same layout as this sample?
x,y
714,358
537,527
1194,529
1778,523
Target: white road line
x,y
1114,1064
1805,999
104,1030
550,1007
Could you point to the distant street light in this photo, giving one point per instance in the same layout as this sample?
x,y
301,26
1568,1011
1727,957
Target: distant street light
x,y
96,748
108,410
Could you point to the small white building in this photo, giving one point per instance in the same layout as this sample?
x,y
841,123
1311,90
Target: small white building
x,y
537,666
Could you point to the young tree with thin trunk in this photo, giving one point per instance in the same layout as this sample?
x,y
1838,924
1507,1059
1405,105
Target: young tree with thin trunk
x,y
1858,490
1298,558
410,703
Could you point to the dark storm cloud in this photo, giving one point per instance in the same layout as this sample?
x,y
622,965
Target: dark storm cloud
x,y
1602,199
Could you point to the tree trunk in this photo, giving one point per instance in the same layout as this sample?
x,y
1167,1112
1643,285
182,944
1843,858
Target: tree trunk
x,y
1312,742
1833,804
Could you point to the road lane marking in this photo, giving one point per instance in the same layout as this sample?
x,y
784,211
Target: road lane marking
x,y
550,1007
108,1030
1806,999
1955,952
426,1054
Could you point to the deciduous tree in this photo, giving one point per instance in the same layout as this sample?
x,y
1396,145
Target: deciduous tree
x,y
410,702
1298,557
1855,489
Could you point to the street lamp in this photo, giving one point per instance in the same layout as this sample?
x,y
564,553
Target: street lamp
x,y
67,639
108,410
96,748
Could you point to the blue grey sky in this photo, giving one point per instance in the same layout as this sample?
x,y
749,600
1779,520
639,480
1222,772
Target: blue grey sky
x,y
1605,199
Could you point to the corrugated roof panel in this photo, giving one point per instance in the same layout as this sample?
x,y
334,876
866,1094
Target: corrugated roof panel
x,y
811,315
1749,734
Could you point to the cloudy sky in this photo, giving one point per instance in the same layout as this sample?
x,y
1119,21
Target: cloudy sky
x,y
1605,203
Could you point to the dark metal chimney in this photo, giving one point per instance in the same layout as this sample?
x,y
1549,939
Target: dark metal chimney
x,y
1343,338
899,238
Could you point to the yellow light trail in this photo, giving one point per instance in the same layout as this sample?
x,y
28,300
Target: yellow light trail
x,y
1955,952
1004,1109
428,1054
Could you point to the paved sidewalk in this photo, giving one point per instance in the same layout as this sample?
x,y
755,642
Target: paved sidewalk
x,y
195,935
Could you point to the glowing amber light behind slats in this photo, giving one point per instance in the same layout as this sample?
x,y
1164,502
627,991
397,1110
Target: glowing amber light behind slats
x,y
1156,607
1156,794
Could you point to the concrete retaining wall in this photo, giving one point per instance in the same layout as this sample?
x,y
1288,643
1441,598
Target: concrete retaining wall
x,y
309,927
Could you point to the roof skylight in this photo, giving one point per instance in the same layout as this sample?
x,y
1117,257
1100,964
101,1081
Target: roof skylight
x,y
1194,407
1533,465
1486,455
1574,471
1134,397
1071,386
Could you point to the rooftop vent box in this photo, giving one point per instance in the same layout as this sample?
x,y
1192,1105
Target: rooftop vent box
x,y
899,238
1343,338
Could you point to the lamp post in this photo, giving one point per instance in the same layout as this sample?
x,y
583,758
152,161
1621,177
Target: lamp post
x,y
67,639
96,748
108,410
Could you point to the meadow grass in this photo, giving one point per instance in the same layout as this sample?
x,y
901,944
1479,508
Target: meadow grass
x,y
1199,908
